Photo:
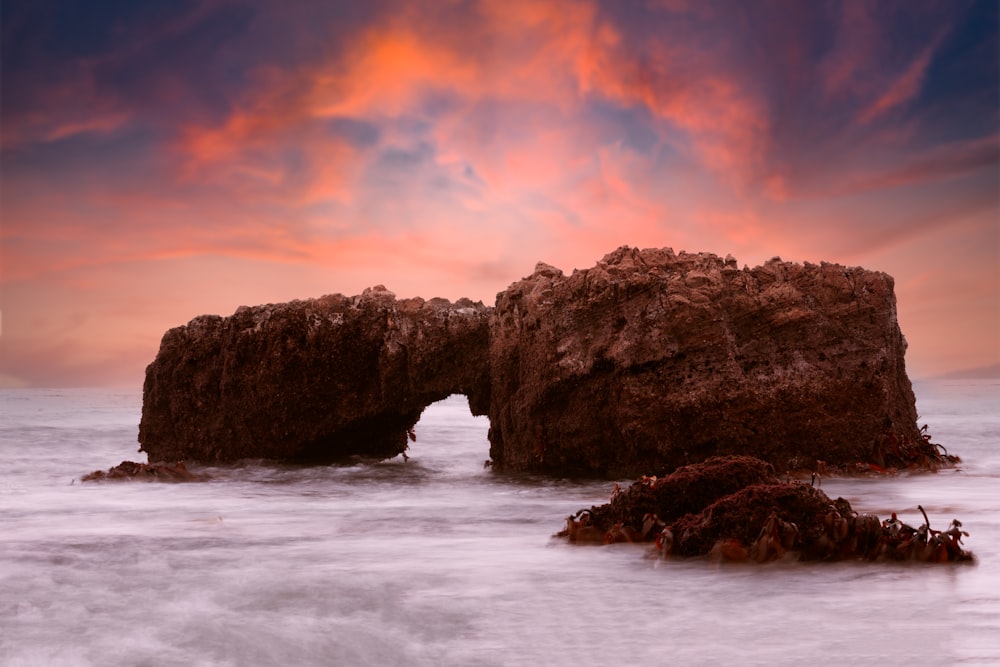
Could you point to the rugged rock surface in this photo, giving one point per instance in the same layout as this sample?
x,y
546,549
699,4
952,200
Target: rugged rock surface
x,y
651,360
686,491
311,381
648,361
146,472
735,508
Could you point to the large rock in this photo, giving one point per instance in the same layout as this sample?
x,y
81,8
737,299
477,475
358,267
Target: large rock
x,y
645,362
651,360
311,381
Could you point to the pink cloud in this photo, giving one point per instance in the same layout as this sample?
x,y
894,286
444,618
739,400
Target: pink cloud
x,y
846,69
65,109
494,134
550,57
904,87
935,164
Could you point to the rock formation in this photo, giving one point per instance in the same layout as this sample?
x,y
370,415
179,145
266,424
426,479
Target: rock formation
x,y
311,381
645,362
146,472
651,360
735,508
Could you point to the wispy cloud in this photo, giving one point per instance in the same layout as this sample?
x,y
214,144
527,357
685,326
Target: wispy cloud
x,y
906,86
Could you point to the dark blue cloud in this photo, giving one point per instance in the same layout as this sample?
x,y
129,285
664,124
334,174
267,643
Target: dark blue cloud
x,y
962,90
355,131
168,59
401,160
633,127
163,59
40,33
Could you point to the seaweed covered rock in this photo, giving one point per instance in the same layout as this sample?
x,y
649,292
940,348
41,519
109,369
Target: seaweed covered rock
x,y
651,360
733,508
742,516
687,490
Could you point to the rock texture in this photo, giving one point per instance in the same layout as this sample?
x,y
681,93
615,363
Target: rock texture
x,y
146,472
311,381
645,362
735,508
651,360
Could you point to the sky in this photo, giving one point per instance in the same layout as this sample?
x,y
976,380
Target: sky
x,y
171,158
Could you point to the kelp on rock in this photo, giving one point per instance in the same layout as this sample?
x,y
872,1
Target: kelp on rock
x,y
735,508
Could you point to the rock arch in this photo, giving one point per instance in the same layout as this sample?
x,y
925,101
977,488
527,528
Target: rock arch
x,y
312,381
644,362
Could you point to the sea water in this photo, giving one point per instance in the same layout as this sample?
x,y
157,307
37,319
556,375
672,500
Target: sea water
x,y
439,561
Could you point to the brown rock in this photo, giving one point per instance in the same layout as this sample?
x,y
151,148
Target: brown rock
x,y
651,360
687,490
743,514
734,509
311,381
648,361
147,472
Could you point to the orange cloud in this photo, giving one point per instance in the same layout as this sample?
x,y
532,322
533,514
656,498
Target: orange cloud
x,y
384,73
542,60
725,125
247,154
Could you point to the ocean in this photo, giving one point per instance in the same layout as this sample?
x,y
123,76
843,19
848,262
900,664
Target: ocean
x,y
439,561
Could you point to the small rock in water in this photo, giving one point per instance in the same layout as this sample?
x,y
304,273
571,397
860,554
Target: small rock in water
x,y
734,509
163,472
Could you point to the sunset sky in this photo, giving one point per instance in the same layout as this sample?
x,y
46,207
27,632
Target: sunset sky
x,y
171,158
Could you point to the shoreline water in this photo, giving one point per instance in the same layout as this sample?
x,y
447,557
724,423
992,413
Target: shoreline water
x,y
438,561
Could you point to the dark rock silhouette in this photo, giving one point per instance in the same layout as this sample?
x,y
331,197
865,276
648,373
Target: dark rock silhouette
x,y
146,472
311,381
735,508
651,360
645,362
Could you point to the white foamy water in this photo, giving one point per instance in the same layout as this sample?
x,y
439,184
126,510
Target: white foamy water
x,y
438,561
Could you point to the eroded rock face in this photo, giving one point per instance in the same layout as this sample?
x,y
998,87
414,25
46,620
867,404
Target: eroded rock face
x,y
311,381
651,360
648,361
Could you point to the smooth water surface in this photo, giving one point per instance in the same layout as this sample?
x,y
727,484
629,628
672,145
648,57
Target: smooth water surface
x,y
438,561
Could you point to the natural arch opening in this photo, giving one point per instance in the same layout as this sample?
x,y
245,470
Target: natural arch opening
x,y
449,433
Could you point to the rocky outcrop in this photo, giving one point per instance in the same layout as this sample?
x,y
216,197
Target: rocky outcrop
x,y
735,508
648,361
146,472
651,360
311,381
